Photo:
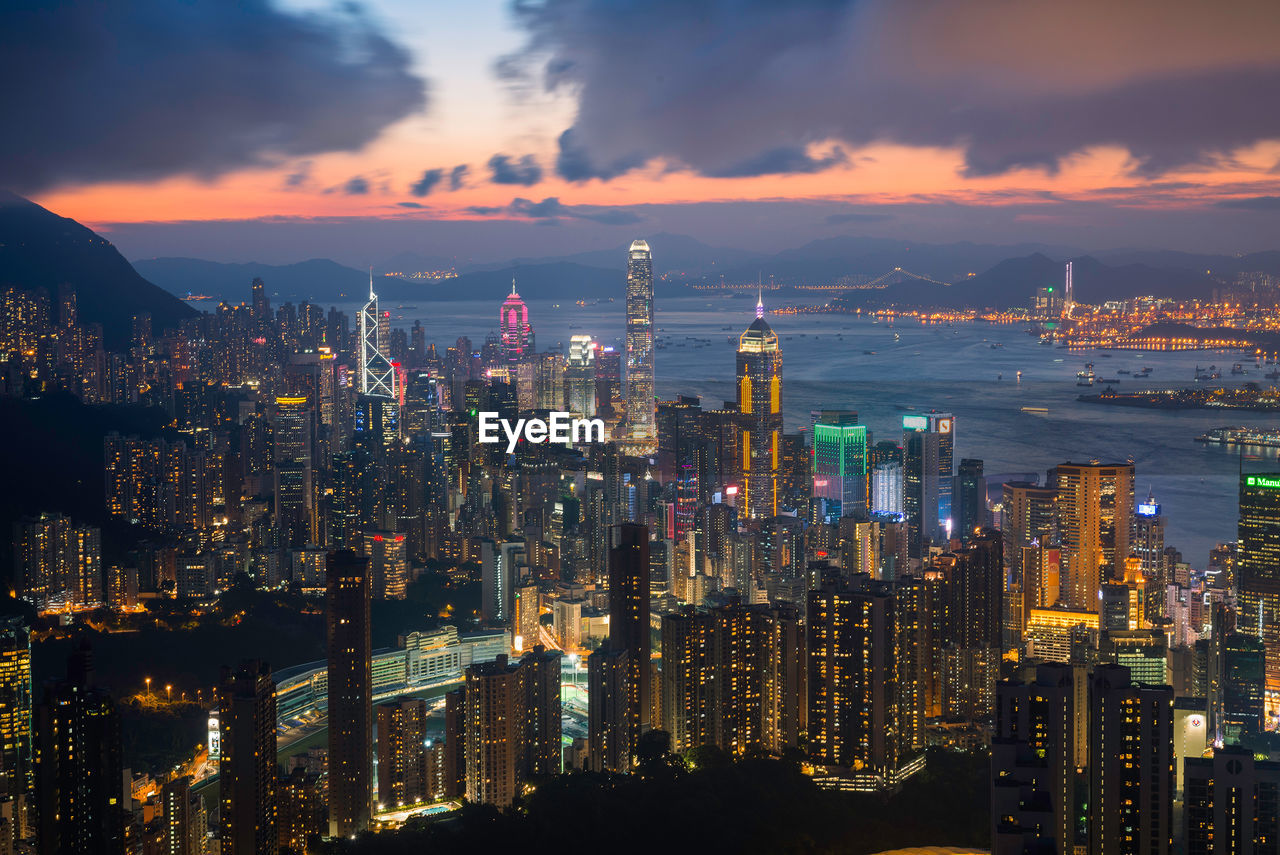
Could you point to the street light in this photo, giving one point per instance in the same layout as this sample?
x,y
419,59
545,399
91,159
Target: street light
x,y
148,687
168,690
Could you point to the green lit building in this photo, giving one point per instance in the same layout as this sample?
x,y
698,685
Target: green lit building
x,y
839,465
1259,567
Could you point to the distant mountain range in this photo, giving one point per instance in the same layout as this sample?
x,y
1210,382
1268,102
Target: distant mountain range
x,y
39,249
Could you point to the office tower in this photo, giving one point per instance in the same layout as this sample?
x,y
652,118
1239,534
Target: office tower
x,y
15,711
1130,764
610,732
1039,741
886,489
852,666
760,406
1027,524
580,376
927,445
377,375
840,465
526,618
970,497
1243,675
498,577
608,381
59,563
247,762
1095,510
1258,566
402,751
1148,540
350,693
1230,803
388,557
1145,652
292,467
640,400
629,616
688,678
79,772
978,591
513,327
175,801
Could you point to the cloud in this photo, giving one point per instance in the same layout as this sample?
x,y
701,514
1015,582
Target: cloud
x,y
139,90
741,86
411,204
838,219
525,172
1252,203
551,209
458,176
787,159
356,186
427,182
300,176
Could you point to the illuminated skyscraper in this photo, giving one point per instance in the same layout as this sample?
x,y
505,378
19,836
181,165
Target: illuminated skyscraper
x,y
402,751
580,376
15,708
629,613
760,403
840,465
927,444
514,329
377,375
247,765
292,466
388,564
1258,566
640,401
350,693
1095,511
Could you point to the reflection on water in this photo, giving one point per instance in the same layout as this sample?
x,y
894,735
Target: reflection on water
x,y
843,362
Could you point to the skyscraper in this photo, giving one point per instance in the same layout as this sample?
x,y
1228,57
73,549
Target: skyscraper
x,y
629,614
1230,803
760,405
247,763
377,375
15,710
840,465
640,401
927,445
402,732
580,376
514,329
291,462
1258,564
350,693
79,768
1095,511
970,498
688,678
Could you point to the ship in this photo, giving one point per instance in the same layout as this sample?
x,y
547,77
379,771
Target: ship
x,y
1264,437
1085,377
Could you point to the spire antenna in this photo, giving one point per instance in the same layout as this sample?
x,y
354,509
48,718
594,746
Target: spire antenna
x,y
513,286
371,294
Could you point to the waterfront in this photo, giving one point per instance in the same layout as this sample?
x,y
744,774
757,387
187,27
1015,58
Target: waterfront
x,y
953,368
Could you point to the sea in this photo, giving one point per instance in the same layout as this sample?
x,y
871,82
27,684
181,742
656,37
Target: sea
x,y
885,370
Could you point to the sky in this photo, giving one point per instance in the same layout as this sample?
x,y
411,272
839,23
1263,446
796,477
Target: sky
x,y
481,130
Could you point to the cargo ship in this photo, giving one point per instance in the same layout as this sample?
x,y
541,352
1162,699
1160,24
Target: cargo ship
x,y
1263,437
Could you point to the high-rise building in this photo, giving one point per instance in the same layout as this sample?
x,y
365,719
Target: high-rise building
x,y
292,467
514,329
1231,803
1258,566
629,617
1095,511
402,752
1040,740
839,465
350,676
1241,681
247,759
377,375
1027,524
59,563
886,489
1148,539
388,556
175,801
688,678
580,376
1130,764
970,492
79,770
610,735
928,442
641,430
15,711
760,406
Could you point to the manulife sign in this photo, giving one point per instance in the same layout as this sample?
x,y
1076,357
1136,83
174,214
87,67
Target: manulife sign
x,y
1267,482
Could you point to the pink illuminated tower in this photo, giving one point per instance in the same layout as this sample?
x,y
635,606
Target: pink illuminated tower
x,y
513,322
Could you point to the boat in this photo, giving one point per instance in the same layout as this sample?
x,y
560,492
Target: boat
x,y
1264,437
1272,375
1123,371
1238,369
897,337
1036,411
1046,342
1145,372
1086,377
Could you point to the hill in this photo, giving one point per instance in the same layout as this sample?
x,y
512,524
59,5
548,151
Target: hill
x,y
39,249
317,279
